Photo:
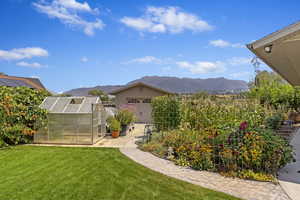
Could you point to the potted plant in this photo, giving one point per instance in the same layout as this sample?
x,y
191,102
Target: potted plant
x,y
125,117
115,128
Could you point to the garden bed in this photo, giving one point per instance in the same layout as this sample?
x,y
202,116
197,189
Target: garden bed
x,y
233,138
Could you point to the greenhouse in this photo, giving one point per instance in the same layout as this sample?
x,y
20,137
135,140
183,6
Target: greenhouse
x,y
72,120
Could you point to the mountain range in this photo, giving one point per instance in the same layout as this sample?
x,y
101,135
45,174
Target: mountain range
x,y
176,85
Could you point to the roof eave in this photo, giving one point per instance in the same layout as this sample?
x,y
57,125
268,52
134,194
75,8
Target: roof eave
x,y
277,35
137,84
273,39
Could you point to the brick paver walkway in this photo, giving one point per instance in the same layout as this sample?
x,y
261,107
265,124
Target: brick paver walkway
x,y
245,189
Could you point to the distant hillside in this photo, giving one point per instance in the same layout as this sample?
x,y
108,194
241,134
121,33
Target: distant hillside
x,y
85,91
190,85
176,85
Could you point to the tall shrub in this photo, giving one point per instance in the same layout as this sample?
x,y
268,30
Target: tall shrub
x,y
273,90
222,114
166,112
20,115
125,117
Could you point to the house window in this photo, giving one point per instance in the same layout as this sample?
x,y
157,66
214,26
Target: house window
x,y
141,89
147,100
76,101
133,100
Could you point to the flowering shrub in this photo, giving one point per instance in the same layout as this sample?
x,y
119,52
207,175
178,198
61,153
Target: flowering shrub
x,y
252,154
225,136
20,115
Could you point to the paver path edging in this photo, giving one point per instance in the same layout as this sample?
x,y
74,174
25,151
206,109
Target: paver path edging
x,y
245,189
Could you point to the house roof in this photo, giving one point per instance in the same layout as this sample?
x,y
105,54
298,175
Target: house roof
x,y
69,104
127,87
280,50
14,81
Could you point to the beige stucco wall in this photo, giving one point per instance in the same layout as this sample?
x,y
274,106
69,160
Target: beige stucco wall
x,y
142,110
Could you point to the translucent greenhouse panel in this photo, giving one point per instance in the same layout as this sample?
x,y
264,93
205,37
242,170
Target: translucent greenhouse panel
x,y
98,128
60,105
73,128
41,136
84,129
87,104
48,103
72,108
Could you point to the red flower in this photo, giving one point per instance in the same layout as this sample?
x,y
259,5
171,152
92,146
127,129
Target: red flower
x,y
243,125
210,137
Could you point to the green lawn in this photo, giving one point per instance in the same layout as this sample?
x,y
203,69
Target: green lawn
x,y
42,173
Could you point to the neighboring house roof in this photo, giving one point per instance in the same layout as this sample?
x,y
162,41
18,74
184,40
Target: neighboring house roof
x,y
127,87
69,104
280,50
14,81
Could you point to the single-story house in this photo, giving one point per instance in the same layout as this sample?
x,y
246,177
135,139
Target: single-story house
x,y
280,51
137,98
14,81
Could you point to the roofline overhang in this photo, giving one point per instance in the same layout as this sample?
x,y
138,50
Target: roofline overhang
x,y
277,36
273,39
137,84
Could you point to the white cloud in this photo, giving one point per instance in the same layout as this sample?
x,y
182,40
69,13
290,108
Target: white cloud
x,y
219,43
73,4
222,43
144,60
67,12
84,59
32,65
234,61
198,67
35,77
202,67
22,53
166,19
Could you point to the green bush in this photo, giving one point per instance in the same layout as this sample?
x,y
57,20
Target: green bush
x,y
115,125
165,112
273,122
207,138
20,115
224,115
2,143
273,90
100,94
125,117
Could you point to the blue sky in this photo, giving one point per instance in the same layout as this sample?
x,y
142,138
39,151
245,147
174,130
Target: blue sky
x,y
82,43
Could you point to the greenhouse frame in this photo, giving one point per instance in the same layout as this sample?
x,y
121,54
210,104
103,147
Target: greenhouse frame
x,y
72,120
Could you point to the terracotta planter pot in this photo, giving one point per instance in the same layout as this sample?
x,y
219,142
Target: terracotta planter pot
x,y
115,134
